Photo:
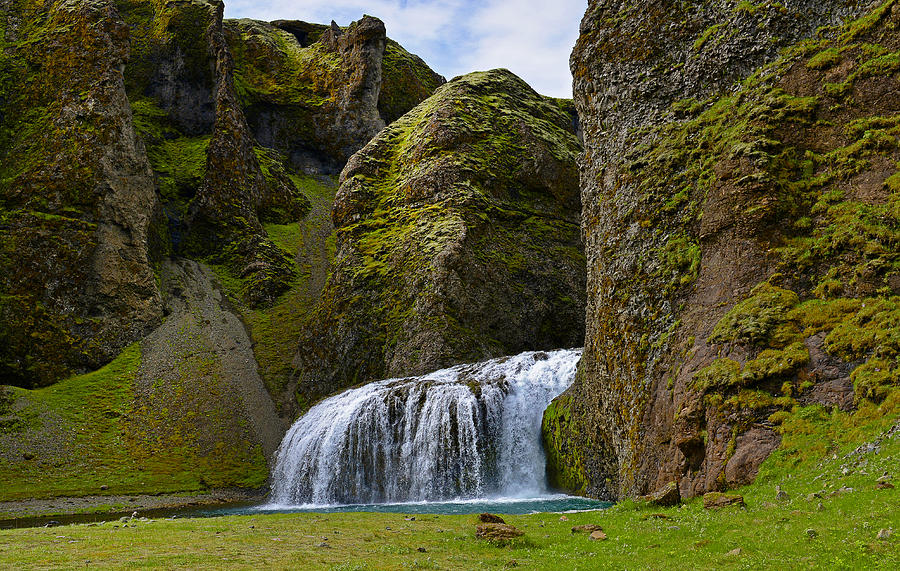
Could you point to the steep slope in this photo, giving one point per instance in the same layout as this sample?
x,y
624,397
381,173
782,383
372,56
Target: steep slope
x,y
76,194
458,239
742,238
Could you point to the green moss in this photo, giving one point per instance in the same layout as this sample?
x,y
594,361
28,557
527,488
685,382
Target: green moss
x,y
754,319
825,59
680,259
775,363
720,375
180,165
706,35
565,465
406,82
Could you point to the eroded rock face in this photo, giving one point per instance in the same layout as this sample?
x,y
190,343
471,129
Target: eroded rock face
x,y
319,93
458,239
76,194
711,250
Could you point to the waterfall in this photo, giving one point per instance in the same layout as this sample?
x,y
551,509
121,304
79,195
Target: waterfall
x,y
470,431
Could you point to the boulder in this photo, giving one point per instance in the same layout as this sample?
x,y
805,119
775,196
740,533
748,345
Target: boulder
x,y
497,532
716,500
668,495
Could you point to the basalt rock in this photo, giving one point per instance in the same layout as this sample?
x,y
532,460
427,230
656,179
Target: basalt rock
x,y
718,168
319,93
458,239
76,194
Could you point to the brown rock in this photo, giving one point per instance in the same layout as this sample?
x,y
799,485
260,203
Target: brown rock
x,y
716,500
587,528
668,495
884,486
490,518
734,552
751,448
598,536
563,518
497,532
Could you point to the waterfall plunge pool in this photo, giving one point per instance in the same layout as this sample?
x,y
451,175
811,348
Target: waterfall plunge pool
x,y
559,503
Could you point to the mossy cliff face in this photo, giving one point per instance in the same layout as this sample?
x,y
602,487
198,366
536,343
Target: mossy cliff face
x,y
741,228
458,239
319,93
76,194
216,184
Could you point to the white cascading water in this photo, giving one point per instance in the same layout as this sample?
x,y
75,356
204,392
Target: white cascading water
x,y
470,431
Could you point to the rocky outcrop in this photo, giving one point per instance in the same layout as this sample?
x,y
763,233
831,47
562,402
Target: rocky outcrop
x,y
458,239
318,93
217,186
736,210
76,194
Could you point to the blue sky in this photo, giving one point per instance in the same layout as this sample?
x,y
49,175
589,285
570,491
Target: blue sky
x,y
533,38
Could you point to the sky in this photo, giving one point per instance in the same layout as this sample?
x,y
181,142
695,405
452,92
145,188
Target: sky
x,y
532,38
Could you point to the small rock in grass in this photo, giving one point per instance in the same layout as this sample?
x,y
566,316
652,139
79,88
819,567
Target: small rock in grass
x,y
820,507
586,528
420,549
512,563
497,531
27,456
490,518
598,535
812,534
734,552
884,534
413,518
667,496
884,486
563,518
104,487
323,544
716,500
780,494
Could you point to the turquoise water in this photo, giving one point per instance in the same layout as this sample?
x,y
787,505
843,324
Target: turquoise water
x,y
558,503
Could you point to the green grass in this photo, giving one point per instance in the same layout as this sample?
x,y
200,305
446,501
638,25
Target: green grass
x,y
89,431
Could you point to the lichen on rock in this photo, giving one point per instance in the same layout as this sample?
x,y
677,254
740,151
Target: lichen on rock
x,y
76,194
737,207
458,239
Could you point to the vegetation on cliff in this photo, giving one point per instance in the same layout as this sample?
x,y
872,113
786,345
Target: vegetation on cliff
x,y
76,194
458,239
780,195
129,135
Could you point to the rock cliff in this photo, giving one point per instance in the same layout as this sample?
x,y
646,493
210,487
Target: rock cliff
x,y
76,194
740,187
458,239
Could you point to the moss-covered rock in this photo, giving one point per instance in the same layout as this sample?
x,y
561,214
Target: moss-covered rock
x,y
738,209
319,93
458,239
76,194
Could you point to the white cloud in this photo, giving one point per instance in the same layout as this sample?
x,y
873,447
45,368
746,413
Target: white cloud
x,y
533,38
